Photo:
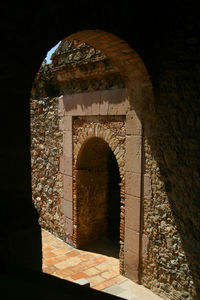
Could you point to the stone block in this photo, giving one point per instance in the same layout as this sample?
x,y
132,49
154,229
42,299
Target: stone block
x,y
133,124
66,208
67,123
131,265
73,104
67,143
69,227
133,184
103,108
105,98
68,104
61,108
86,104
67,187
95,108
95,102
68,211
132,213
83,104
83,282
133,154
118,104
132,240
61,123
66,165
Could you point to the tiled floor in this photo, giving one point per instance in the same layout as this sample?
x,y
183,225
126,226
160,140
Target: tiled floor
x,y
100,269
66,262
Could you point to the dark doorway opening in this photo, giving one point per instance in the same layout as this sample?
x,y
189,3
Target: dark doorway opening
x,y
98,197
113,198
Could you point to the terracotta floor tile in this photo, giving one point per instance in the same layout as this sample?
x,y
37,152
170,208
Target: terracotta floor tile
x,y
69,278
115,268
100,259
59,251
72,254
108,274
86,257
96,280
120,278
64,261
77,268
103,266
68,263
47,249
79,275
60,258
64,273
100,286
113,262
50,261
87,264
92,271
112,281
48,254
50,270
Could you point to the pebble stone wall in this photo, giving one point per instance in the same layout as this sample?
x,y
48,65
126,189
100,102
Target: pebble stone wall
x,y
164,267
46,149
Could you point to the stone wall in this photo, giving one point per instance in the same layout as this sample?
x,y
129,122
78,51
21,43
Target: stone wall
x,y
164,265
46,149
165,269
85,69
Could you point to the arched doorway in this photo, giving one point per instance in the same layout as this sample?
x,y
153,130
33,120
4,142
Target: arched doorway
x,y
98,193
129,101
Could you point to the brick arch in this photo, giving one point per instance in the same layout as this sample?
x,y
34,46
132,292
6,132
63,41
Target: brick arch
x,y
85,180
129,63
109,138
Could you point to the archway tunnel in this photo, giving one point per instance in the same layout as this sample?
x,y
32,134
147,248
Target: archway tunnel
x,y
98,193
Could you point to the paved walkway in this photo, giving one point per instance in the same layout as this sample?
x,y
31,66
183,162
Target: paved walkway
x,y
101,270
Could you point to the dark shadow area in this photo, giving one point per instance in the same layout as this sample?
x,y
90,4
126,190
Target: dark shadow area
x,y
98,198
113,198
166,36
23,284
103,246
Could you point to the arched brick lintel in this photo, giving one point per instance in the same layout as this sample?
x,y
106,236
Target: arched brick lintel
x,y
119,152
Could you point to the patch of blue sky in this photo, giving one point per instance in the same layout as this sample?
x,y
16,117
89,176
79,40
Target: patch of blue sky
x,y
50,52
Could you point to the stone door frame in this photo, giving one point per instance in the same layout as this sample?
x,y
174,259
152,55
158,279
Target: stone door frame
x,y
105,103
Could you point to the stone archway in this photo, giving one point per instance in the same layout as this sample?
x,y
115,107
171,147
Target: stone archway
x,y
99,161
136,103
97,193
97,110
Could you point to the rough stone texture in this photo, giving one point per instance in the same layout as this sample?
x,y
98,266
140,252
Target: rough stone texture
x,y
164,266
111,131
76,67
46,149
168,256
168,43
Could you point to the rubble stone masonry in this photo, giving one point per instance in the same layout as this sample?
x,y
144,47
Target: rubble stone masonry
x,y
46,149
152,250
